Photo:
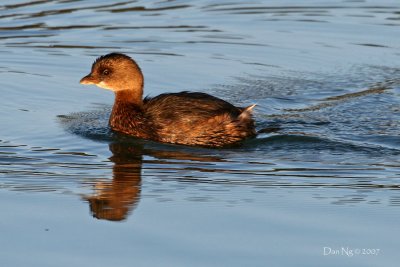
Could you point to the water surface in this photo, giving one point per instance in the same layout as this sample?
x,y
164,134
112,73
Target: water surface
x,y
324,74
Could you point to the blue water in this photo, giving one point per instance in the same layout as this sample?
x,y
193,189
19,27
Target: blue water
x,y
324,74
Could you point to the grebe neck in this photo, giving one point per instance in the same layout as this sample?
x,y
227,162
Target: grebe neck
x,y
129,96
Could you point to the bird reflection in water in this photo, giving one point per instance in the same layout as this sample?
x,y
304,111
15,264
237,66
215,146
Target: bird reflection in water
x,y
114,200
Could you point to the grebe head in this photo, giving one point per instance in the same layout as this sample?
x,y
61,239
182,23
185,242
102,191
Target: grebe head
x,y
115,72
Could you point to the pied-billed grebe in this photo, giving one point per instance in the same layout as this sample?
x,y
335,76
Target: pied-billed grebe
x,y
188,118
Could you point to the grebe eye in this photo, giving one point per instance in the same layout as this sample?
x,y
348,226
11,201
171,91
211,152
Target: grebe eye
x,y
106,72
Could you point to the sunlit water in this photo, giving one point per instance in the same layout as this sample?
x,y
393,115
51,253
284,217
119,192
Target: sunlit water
x,y
324,74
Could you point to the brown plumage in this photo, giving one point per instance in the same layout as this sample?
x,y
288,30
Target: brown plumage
x,y
188,118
